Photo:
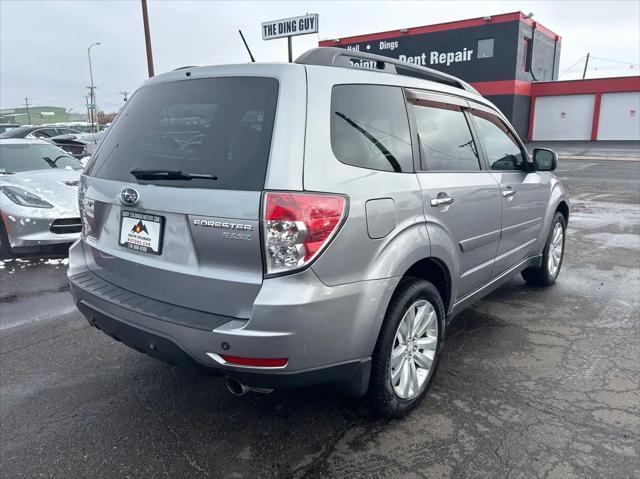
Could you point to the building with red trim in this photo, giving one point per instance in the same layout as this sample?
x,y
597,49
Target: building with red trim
x,y
513,61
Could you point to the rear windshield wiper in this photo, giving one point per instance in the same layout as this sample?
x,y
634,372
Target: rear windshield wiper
x,y
144,174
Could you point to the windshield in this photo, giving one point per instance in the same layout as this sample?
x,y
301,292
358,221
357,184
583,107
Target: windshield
x,y
206,127
15,158
4,128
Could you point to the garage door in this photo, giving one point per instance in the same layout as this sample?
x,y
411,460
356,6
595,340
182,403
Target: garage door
x,y
563,117
620,116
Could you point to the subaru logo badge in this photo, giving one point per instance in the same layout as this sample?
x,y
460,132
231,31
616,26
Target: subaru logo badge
x,y
129,196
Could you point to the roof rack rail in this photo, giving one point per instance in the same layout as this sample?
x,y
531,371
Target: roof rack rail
x,y
184,68
341,57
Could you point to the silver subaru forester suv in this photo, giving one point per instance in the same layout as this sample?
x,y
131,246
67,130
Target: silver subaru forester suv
x,y
317,222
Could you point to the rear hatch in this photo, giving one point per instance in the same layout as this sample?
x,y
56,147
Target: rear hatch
x,y
184,229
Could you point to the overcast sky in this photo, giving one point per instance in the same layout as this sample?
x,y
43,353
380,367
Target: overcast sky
x,y
43,44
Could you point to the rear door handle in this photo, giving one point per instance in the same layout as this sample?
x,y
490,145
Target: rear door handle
x,y
441,201
509,193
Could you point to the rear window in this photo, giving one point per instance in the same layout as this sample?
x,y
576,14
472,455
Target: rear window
x,y
19,132
370,127
212,126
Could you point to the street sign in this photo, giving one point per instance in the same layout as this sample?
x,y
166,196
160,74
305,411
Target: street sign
x,y
290,27
91,106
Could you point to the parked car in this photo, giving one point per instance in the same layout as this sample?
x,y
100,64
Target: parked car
x,y
79,145
317,222
38,196
42,131
7,126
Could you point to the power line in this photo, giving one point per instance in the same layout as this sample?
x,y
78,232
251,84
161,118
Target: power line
x,y
568,69
589,65
617,61
110,103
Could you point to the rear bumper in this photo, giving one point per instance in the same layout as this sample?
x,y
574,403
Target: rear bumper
x,y
327,333
352,375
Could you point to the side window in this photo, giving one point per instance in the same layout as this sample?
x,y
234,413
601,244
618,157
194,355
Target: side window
x,y
502,149
446,143
44,133
370,127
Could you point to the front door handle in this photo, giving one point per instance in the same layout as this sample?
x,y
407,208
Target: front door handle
x,y
442,201
508,193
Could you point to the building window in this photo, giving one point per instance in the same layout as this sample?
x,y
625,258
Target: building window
x,y
525,61
485,48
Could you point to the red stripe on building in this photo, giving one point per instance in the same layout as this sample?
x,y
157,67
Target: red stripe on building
x,y
440,27
503,87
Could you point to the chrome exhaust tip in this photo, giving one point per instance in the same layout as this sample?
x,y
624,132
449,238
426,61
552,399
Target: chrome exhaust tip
x,y
235,387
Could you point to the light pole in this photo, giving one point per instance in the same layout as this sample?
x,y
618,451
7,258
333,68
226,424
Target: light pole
x,y
92,88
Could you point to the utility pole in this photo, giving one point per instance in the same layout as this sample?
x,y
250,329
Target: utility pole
x,y
586,64
147,37
26,103
92,88
124,93
91,106
86,102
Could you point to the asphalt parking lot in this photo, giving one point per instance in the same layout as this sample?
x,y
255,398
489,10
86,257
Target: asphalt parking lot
x,y
533,382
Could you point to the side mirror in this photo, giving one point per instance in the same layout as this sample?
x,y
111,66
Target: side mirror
x,y
545,159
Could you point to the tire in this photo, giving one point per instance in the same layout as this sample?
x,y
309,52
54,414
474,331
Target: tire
x,y
5,249
545,274
386,392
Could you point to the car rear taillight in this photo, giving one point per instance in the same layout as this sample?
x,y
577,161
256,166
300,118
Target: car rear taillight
x,y
86,214
297,226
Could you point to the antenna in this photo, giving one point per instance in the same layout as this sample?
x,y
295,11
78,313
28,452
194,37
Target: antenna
x,y
253,60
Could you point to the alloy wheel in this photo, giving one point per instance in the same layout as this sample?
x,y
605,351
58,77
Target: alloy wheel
x,y
414,349
555,250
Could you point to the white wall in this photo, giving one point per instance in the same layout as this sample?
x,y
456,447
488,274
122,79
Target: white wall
x,y
620,116
563,117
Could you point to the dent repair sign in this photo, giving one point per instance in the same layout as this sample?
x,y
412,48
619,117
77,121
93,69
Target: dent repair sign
x,y
290,27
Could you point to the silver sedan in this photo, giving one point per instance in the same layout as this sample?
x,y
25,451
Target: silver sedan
x,y
38,196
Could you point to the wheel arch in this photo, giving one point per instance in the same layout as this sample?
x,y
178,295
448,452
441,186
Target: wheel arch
x,y
436,272
563,207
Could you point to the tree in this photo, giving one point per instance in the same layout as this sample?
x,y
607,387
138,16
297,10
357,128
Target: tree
x,y
104,118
